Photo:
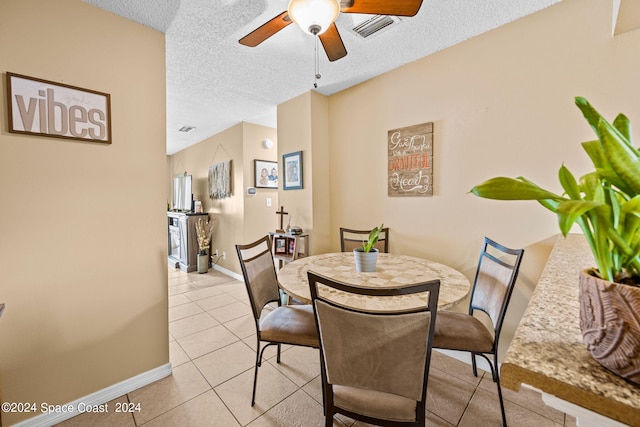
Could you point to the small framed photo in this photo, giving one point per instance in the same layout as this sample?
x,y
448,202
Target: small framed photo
x,y
266,174
280,244
292,246
292,169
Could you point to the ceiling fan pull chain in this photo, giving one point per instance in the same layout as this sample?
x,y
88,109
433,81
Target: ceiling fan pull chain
x,y
317,70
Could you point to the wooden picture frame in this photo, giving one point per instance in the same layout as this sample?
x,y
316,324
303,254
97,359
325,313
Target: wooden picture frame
x,y
45,108
265,173
292,171
410,161
280,245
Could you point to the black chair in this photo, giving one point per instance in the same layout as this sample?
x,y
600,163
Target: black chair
x,y
351,239
374,364
289,324
492,288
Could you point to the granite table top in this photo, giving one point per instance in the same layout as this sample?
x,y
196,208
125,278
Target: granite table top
x,y
391,271
547,351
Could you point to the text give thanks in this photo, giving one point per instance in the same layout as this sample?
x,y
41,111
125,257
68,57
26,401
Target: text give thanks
x,y
41,107
411,160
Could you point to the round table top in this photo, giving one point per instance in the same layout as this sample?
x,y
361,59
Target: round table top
x,y
391,271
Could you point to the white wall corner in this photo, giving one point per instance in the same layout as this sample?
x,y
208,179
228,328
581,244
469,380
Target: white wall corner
x,y
614,16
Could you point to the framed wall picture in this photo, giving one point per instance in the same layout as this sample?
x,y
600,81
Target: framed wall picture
x,y
292,170
410,161
266,174
45,108
280,244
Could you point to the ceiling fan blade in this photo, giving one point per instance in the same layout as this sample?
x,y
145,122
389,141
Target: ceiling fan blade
x,y
382,7
266,30
332,43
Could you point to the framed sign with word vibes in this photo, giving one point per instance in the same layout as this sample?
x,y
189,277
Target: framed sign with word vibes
x,y
45,108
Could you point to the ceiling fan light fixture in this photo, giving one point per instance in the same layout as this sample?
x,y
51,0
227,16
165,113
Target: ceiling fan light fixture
x,y
314,16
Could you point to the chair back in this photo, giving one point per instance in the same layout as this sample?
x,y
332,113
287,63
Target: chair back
x,y
386,351
259,272
351,239
494,282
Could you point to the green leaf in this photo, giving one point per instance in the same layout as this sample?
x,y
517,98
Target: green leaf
x,y
502,188
623,125
589,113
595,153
623,158
589,184
570,210
569,183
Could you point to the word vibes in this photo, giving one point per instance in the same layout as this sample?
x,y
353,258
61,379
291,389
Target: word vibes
x,y
45,114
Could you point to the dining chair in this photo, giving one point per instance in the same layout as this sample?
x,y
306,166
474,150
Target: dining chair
x,y
492,288
284,324
374,363
351,239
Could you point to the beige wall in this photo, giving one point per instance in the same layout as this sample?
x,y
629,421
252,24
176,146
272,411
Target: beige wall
x,y
303,125
83,251
241,218
502,104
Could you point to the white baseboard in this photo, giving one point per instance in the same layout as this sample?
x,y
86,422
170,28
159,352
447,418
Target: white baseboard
x,y
100,397
229,273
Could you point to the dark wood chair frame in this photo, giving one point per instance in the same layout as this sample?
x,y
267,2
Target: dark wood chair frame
x,y
515,268
432,287
384,238
256,310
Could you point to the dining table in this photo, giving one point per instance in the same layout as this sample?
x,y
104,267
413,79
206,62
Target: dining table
x,y
392,270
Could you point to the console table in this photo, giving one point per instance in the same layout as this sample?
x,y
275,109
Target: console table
x,y
547,352
287,247
182,239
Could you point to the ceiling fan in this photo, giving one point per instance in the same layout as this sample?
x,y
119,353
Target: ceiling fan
x,y
317,17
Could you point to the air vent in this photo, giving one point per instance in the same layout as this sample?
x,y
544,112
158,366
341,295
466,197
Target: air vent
x,y
374,25
186,129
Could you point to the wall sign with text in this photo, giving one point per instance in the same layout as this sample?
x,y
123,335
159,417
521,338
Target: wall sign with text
x,y
41,107
410,168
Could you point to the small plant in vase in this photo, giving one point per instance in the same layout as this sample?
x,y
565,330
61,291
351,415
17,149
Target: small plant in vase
x,y
367,255
204,230
605,204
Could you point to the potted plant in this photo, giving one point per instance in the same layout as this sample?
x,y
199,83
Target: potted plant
x,y
204,230
366,256
605,203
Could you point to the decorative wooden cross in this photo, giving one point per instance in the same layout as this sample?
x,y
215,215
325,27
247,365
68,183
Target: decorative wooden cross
x,y
282,213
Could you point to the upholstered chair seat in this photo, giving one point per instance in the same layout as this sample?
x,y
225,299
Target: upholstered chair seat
x,y
290,324
375,404
456,330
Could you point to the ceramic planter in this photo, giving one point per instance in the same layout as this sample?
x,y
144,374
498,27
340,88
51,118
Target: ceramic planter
x,y
610,324
365,261
203,263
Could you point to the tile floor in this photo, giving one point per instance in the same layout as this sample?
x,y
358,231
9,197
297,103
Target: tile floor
x,y
212,342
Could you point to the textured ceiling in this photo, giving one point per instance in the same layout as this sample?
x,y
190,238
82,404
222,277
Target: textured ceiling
x,y
213,82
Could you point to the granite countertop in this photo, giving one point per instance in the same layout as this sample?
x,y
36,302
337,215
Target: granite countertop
x,y
547,351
